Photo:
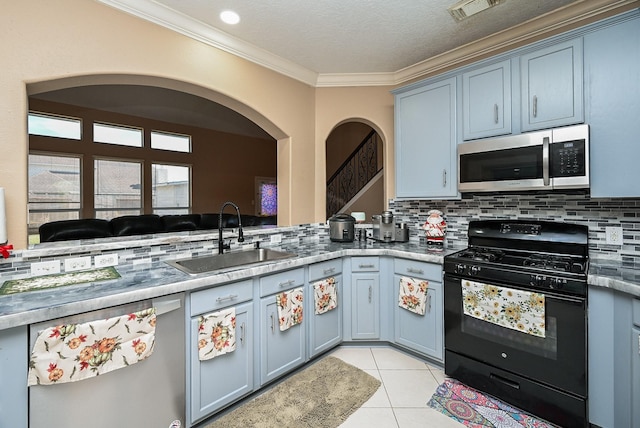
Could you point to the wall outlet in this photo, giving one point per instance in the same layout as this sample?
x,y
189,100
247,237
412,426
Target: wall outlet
x,y
613,235
45,268
276,238
105,260
77,263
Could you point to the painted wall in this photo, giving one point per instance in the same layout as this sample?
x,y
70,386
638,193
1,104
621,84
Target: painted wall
x,y
53,45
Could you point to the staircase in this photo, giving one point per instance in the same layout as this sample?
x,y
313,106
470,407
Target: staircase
x,y
354,174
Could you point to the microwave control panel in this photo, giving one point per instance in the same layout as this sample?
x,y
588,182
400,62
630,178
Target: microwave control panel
x,y
568,158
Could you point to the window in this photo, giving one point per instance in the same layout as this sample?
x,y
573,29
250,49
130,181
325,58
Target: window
x,y
171,189
114,134
54,126
117,188
54,190
173,142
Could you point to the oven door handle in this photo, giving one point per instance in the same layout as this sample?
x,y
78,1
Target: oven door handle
x,y
505,381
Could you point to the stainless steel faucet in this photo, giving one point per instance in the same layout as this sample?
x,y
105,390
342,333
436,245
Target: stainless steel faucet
x,y
221,245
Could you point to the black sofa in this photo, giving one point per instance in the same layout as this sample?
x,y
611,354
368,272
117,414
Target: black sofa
x,y
65,230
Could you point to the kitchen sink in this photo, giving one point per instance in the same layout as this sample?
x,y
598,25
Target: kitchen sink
x,y
215,262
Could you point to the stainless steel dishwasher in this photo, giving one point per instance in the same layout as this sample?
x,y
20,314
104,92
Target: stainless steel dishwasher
x,y
150,393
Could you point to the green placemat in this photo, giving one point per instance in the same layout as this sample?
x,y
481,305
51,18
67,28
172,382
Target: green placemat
x,y
57,280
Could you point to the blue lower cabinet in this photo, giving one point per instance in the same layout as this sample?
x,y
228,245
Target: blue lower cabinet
x,y
280,350
225,378
325,329
635,376
365,308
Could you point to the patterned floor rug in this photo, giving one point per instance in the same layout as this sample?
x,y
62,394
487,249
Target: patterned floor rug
x,y
474,409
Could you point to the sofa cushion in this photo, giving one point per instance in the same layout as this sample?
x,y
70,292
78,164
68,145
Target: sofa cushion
x,y
210,220
181,222
64,230
136,224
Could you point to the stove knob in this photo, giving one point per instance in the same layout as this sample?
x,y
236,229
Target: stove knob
x,y
555,283
459,268
538,280
474,270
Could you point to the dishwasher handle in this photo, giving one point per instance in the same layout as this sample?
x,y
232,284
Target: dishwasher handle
x,y
164,306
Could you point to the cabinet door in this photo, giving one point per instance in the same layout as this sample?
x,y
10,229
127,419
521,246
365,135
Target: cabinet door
x,y
552,86
14,356
635,376
325,329
365,310
225,378
425,146
280,351
612,73
421,333
486,101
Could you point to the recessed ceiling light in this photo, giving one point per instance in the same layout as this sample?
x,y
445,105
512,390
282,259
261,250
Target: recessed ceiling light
x,y
230,17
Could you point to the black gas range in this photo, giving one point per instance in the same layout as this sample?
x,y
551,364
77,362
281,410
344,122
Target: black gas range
x,y
546,375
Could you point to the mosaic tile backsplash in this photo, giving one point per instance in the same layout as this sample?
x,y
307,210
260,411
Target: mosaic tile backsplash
x,y
576,208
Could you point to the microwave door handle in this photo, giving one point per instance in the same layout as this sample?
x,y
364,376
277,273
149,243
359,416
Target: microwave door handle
x,y
545,161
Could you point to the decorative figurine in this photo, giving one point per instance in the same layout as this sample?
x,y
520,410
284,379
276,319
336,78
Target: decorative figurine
x,y
434,229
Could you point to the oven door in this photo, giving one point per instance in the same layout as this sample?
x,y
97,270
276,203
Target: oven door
x,y
558,359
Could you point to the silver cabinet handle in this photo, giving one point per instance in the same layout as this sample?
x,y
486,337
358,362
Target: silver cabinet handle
x,y
429,303
328,271
242,333
418,271
535,106
370,293
287,283
361,266
229,297
273,325
444,178
495,113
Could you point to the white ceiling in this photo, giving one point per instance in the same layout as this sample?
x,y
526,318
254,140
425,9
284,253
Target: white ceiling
x,y
310,39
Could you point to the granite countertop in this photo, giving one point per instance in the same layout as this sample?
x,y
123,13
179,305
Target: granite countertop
x,y
617,275
152,280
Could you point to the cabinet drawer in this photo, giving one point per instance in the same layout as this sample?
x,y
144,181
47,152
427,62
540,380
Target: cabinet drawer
x,y
220,297
281,281
417,269
365,264
636,312
325,269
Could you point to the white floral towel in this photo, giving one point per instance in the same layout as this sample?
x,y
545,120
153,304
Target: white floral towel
x,y
516,309
289,308
413,294
72,352
216,334
325,295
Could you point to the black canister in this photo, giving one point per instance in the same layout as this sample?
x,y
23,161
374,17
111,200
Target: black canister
x,y
342,228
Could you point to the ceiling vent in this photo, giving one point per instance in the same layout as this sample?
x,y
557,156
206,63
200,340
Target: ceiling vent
x,y
465,8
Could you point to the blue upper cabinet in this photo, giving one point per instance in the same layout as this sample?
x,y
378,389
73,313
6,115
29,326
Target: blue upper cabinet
x,y
425,144
551,85
612,89
486,101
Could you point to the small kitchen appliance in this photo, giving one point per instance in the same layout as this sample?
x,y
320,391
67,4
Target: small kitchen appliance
x,y
515,316
342,228
385,230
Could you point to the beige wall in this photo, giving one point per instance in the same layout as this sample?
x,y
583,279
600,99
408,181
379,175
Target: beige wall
x,y
52,45
370,105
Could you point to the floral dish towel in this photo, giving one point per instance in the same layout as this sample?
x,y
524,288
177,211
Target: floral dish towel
x,y
289,308
413,294
325,295
216,334
515,309
72,352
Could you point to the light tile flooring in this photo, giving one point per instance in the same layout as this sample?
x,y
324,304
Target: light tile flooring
x,y
407,385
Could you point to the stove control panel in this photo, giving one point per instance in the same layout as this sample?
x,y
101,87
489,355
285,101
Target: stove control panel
x,y
551,282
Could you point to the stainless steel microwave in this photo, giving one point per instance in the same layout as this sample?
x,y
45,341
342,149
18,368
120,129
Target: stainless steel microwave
x,y
550,159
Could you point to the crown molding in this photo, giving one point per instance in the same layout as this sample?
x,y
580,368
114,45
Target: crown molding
x,y
552,23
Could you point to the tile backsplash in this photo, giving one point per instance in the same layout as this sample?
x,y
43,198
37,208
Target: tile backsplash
x,y
575,207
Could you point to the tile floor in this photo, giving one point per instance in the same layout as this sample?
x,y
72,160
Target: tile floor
x,y
401,400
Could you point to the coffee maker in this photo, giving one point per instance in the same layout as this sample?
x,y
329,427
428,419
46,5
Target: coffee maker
x,y
385,230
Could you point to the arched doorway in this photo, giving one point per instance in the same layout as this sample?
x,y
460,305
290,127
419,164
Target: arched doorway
x,y
354,169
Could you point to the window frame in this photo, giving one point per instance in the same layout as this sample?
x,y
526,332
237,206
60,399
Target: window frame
x,y
56,116
159,209
139,210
